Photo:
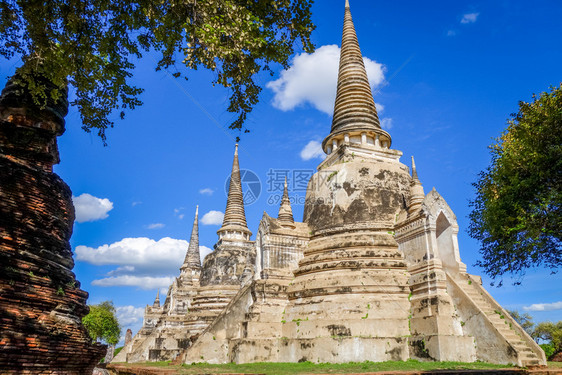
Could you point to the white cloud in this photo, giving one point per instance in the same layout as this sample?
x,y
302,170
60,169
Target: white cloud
x,y
178,214
544,306
90,208
312,79
206,191
313,149
136,203
203,252
165,255
212,218
469,17
451,33
386,123
143,282
141,261
128,315
121,270
156,226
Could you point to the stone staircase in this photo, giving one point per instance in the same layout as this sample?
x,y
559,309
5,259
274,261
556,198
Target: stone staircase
x,y
525,347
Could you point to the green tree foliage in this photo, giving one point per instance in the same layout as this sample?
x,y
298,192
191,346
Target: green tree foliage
x,y
524,320
92,45
551,333
517,212
101,323
548,350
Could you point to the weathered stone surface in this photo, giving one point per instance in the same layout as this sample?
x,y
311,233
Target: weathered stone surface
x,y
128,336
41,303
228,264
249,328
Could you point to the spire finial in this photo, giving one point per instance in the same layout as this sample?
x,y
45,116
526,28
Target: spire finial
x,y
234,214
157,299
414,172
193,258
285,215
354,108
416,191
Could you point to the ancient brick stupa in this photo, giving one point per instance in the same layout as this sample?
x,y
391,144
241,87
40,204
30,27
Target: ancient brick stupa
x,y
373,273
41,303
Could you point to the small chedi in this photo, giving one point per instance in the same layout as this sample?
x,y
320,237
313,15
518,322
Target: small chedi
x,y
41,303
373,273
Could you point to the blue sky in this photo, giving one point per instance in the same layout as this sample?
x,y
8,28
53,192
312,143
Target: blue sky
x,y
446,76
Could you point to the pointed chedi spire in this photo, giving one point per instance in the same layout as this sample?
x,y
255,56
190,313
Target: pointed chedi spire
x,y
414,171
192,258
417,194
285,215
355,113
234,215
157,299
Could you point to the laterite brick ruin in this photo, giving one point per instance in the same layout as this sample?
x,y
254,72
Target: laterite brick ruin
x,y
41,303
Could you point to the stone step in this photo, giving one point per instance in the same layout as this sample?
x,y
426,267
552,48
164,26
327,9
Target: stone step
x,y
496,318
477,298
501,326
511,337
483,306
530,363
525,353
508,334
506,330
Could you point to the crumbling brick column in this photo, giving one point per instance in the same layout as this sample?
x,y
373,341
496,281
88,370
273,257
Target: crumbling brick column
x,y
41,303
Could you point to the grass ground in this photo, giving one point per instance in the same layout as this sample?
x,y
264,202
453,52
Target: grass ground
x,y
321,368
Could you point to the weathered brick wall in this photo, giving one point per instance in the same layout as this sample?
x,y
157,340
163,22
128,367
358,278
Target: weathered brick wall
x,y
41,303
